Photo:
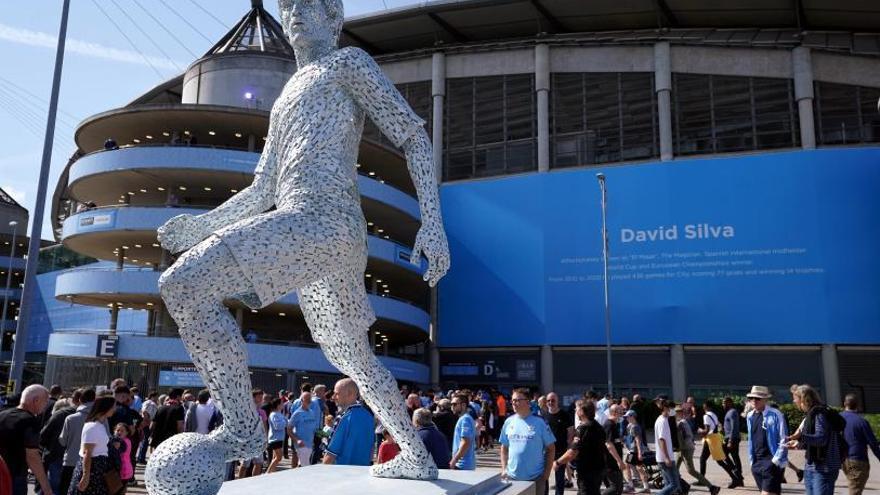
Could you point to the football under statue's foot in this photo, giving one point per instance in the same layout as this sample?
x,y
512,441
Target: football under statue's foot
x,y
401,467
187,464
195,464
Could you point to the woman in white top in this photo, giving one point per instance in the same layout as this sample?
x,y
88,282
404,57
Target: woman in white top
x,y
711,424
88,477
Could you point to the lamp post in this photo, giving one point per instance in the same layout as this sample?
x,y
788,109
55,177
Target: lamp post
x,y
14,226
601,177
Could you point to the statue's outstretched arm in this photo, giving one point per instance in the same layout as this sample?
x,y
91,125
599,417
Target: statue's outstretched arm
x,y
385,106
185,231
431,239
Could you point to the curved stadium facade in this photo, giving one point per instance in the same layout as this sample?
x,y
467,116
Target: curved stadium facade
x,y
740,145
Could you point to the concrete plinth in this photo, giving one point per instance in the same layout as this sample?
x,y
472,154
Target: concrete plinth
x,y
357,479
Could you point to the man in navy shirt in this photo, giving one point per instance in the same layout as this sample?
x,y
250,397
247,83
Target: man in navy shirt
x,y
352,440
859,437
731,434
435,442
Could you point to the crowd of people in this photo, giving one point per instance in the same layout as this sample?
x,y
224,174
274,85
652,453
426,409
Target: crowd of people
x,y
90,441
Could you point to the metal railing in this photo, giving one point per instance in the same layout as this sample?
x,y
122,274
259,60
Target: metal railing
x,y
138,269
171,145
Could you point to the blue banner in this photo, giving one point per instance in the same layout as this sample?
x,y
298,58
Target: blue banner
x,y
779,248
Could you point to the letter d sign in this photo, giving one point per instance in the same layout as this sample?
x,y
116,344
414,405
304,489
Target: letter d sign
x,y
107,346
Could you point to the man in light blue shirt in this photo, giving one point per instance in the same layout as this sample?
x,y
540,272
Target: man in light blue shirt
x,y
465,438
352,439
527,445
301,429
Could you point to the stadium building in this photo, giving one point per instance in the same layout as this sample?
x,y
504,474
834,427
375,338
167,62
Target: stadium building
x,y
740,145
13,248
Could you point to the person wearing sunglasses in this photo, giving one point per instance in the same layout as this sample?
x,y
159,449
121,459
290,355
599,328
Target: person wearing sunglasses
x,y
464,440
767,431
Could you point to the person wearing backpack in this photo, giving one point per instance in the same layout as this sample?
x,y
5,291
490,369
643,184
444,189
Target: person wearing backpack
x,y
821,436
712,426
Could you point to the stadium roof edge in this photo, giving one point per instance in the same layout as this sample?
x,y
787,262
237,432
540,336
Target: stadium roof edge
x,y
433,23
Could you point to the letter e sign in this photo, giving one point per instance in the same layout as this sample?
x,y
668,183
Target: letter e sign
x,y
108,346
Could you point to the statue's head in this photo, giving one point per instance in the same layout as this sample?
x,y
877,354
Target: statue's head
x,y
309,22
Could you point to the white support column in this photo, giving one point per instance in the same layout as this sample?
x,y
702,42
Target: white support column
x,y
438,94
802,66
546,369
831,375
542,88
679,372
663,87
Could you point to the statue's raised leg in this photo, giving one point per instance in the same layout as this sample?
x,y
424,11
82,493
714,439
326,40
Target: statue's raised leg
x,y
339,316
193,290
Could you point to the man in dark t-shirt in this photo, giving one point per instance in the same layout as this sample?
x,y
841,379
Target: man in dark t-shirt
x,y
169,420
588,448
20,439
614,451
445,420
562,427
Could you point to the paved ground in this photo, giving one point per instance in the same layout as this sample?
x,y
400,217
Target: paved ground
x,y
490,460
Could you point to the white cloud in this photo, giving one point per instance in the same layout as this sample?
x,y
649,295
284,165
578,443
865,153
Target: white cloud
x,y
80,47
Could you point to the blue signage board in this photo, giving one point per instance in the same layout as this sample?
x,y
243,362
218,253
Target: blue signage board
x,y
180,376
772,248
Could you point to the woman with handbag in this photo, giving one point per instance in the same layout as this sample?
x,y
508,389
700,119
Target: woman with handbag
x,y
94,473
712,445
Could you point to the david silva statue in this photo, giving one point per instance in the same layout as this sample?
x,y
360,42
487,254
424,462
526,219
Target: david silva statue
x,y
314,242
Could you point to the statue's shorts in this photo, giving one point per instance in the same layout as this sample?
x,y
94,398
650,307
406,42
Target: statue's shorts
x,y
321,253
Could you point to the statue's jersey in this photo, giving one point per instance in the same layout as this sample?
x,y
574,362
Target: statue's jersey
x,y
317,122
318,232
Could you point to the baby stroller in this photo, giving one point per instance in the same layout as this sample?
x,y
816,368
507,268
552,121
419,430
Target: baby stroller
x,y
649,461
655,477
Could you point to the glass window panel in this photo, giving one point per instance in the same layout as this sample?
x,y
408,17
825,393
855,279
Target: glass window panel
x,y
602,117
459,164
418,95
567,150
521,156
489,161
775,113
487,119
638,117
868,98
567,103
519,107
837,113
692,121
489,110
459,113
731,97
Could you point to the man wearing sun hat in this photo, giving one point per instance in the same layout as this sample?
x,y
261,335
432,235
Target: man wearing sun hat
x,y
767,430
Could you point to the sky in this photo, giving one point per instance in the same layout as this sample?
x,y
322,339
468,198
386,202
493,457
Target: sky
x,y
116,50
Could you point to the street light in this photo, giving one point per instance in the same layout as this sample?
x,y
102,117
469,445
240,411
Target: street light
x,y
601,177
14,226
